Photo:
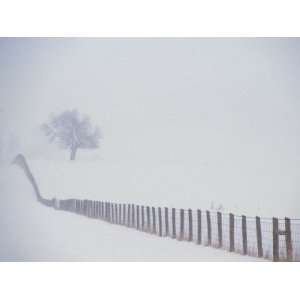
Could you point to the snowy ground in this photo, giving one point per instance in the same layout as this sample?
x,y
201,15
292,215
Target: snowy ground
x,y
181,184
32,232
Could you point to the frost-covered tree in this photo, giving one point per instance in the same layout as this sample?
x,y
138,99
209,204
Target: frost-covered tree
x,y
72,131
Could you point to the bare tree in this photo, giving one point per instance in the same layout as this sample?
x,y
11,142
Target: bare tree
x,y
72,131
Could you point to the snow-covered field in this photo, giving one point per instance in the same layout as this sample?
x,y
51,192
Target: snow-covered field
x,y
181,184
32,232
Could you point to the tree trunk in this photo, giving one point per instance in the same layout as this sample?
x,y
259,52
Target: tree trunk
x,y
73,153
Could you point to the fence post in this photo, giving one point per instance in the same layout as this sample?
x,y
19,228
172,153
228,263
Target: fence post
x,y
133,215
159,222
107,211
220,232
199,229
124,214
138,217
288,239
143,217
208,228
231,232
173,223
190,225
166,221
94,209
112,208
244,233
181,236
259,237
90,208
148,218
120,213
85,207
153,220
116,214
128,214
110,212
275,240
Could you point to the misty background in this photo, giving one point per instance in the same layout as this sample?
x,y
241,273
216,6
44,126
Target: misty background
x,y
224,113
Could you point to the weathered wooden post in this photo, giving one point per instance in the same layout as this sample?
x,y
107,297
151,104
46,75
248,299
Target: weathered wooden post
x,y
133,215
93,209
231,232
120,213
159,222
124,214
148,218
199,229
96,209
138,217
181,236
116,214
220,233
112,212
105,211
288,239
166,221
143,217
190,225
128,215
153,220
90,208
259,237
275,240
112,208
173,223
85,207
208,220
244,233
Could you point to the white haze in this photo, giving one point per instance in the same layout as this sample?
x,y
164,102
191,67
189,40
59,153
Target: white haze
x,y
210,119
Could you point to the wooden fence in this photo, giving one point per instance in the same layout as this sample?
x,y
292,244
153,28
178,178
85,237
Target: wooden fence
x,y
270,238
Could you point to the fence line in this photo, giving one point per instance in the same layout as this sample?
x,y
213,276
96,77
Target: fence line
x,y
274,239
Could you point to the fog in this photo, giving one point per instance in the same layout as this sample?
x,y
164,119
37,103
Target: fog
x,y
226,107
200,123
210,100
